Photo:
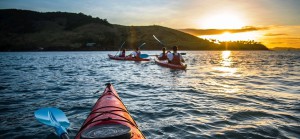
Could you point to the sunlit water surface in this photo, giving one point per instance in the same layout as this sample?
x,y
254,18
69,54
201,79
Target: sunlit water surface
x,y
251,94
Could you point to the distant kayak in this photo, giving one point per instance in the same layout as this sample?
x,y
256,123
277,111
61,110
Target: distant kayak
x,y
165,63
127,58
109,118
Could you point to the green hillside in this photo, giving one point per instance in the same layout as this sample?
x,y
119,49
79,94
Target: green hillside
x,y
22,30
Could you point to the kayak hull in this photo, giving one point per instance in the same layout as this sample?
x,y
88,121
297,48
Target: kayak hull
x,y
165,63
110,110
127,58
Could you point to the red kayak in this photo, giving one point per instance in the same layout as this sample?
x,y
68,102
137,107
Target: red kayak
x,y
109,119
127,58
165,63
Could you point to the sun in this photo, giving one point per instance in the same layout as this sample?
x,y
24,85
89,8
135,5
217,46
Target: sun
x,y
226,20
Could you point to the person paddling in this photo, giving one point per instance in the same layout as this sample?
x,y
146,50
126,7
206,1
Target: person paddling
x,y
136,54
163,55
123,53
175,58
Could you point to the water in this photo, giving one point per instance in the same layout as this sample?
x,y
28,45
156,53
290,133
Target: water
x,y
250,94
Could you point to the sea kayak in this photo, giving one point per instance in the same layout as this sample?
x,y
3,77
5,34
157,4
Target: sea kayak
x,y
109,119
165,63
127,58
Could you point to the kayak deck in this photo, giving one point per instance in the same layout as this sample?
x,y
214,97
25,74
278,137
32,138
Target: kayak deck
x,y
109,113
127,58
165,63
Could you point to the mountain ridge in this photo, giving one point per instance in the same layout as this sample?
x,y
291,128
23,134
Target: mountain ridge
x,y
24,30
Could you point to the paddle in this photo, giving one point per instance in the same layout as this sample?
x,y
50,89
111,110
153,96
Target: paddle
x,y
146,55
143,55
163,44
142,45
56,118
120,48
158,40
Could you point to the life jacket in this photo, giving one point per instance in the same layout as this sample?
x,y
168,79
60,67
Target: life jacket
x,y
138,54
176,59
163,57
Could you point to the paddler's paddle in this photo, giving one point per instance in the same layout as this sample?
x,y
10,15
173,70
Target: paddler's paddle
x,y
158,40
146,55
120,48
163,44
143,55
142,45
56,118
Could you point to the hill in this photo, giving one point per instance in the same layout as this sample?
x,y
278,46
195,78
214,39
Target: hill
x,y
285,49
23,30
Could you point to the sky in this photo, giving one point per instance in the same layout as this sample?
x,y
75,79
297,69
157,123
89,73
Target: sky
x,y
275,23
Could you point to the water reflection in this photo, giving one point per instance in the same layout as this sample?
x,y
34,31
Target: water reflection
x,y
226,64
226,59
225,70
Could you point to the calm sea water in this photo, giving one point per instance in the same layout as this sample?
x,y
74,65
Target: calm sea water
x,y
249,94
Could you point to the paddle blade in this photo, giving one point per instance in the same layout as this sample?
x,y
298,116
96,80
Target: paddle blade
x,y
52,116
158,40
144,55
142,45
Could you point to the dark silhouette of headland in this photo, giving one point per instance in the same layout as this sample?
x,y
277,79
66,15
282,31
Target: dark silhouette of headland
x,y
24,30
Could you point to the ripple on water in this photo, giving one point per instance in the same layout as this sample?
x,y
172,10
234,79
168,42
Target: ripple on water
x,y
250,114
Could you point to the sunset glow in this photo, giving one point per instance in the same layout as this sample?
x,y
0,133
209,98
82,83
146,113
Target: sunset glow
x,y
227,36
227,20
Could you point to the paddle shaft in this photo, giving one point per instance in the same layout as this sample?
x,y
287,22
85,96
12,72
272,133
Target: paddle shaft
x,y
158,40
163,44
158,55
120,48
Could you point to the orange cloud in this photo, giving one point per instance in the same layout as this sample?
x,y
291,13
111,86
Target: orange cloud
x,y
275,34
199,32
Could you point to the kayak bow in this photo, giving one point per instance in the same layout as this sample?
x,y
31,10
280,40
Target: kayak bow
x,y
109,119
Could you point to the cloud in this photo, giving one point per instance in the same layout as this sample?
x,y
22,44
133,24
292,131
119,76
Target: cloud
x,y
277,43
275,34
199,32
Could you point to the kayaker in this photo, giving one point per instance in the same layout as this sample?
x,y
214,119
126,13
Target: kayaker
x,y
136,53
175,58
123,53
163,55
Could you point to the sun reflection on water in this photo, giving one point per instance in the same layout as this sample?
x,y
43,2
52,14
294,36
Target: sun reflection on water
x,y
226,59
226,63
226,69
